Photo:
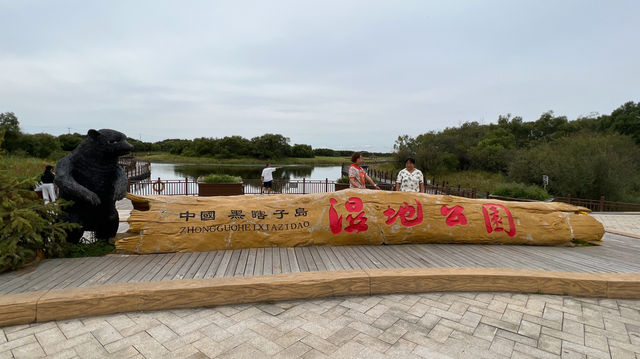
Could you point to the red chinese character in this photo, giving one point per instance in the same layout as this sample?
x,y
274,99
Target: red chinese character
x,y
454,215
493,219
335,222
357,223
406,213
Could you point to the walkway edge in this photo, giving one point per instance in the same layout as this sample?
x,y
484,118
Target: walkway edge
x,y
146,296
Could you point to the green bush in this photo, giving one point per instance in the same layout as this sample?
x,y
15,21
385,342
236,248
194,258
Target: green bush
x,y
28,225
519,190
343,179
215,178
587,165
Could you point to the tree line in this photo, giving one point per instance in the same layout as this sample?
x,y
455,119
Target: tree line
x,y
267,146
587,157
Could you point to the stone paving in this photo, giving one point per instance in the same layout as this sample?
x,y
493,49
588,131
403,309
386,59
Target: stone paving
x,y
621,223
433,325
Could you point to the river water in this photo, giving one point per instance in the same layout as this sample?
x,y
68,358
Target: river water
x,y
174,171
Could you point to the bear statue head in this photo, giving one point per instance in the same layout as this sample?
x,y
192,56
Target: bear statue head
x,y
111,143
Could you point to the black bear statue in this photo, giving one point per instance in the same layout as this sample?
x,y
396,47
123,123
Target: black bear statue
x,y
91,177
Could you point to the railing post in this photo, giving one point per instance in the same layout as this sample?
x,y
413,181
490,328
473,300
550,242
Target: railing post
x,y
473,192
326,185
601,203
186,186
303,184
569,199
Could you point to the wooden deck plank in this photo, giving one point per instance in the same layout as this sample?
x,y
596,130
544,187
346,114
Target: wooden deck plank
x,y
330,261
215,264
233,263
276,264
100,266
196,265
302,262
242,263
404,261
259,266
353,256
18,278
224,264
293,260
311,264
356,252
267,266
71,276
118,264
153,271
317,258
284,260
155,259
206,262
386,261
40,281
251,262
128,270
159,275
344,260
183,259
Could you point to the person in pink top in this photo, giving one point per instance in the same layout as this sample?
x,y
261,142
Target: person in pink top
x,y
357,175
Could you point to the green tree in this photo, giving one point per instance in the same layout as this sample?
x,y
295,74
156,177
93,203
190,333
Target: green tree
x,y
585,165
11,126
302,151
41,145
69,142
271,146
625,120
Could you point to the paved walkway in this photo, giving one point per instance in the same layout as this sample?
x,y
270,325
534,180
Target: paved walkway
x,y
433,325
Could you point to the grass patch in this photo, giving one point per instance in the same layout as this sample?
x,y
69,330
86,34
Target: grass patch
x,y
24,167
480,180
519,190
216,178
96,249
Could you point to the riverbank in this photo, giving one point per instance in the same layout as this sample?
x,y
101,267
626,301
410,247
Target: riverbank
x,y
163,157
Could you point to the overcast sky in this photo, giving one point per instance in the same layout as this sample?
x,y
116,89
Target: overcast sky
x,y
337,74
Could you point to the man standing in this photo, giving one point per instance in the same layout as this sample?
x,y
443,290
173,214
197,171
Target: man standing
x,y
267,177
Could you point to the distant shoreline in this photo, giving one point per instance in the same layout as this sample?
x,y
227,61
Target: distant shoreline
x,y
163,157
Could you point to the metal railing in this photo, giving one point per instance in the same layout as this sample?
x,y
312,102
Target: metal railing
x,y
600,205
147,187
136,170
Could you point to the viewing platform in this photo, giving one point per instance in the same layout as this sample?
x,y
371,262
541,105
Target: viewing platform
x,y
73,287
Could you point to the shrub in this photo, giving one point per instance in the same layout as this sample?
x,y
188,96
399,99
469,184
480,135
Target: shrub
x,y
343,179
28,225
519,190
216,178
586,165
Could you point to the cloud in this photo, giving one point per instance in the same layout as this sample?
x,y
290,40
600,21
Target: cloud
x,y
330,74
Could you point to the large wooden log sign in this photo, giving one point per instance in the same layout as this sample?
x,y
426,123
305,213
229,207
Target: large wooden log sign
x,y
349,217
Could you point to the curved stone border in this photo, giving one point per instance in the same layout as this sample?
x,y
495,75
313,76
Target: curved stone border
x,y
145,296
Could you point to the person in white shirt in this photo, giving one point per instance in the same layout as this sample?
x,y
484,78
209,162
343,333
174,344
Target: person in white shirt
x,y
410,179
267,177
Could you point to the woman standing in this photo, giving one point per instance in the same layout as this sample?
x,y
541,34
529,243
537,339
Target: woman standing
x,y
357,175
48,190
410,179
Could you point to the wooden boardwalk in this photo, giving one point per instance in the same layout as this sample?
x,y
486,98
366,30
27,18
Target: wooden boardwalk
x,y
618,254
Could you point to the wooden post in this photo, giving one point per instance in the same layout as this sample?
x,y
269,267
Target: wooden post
x,y
186,186
601,203
473,192
326,185
303,185
569,198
